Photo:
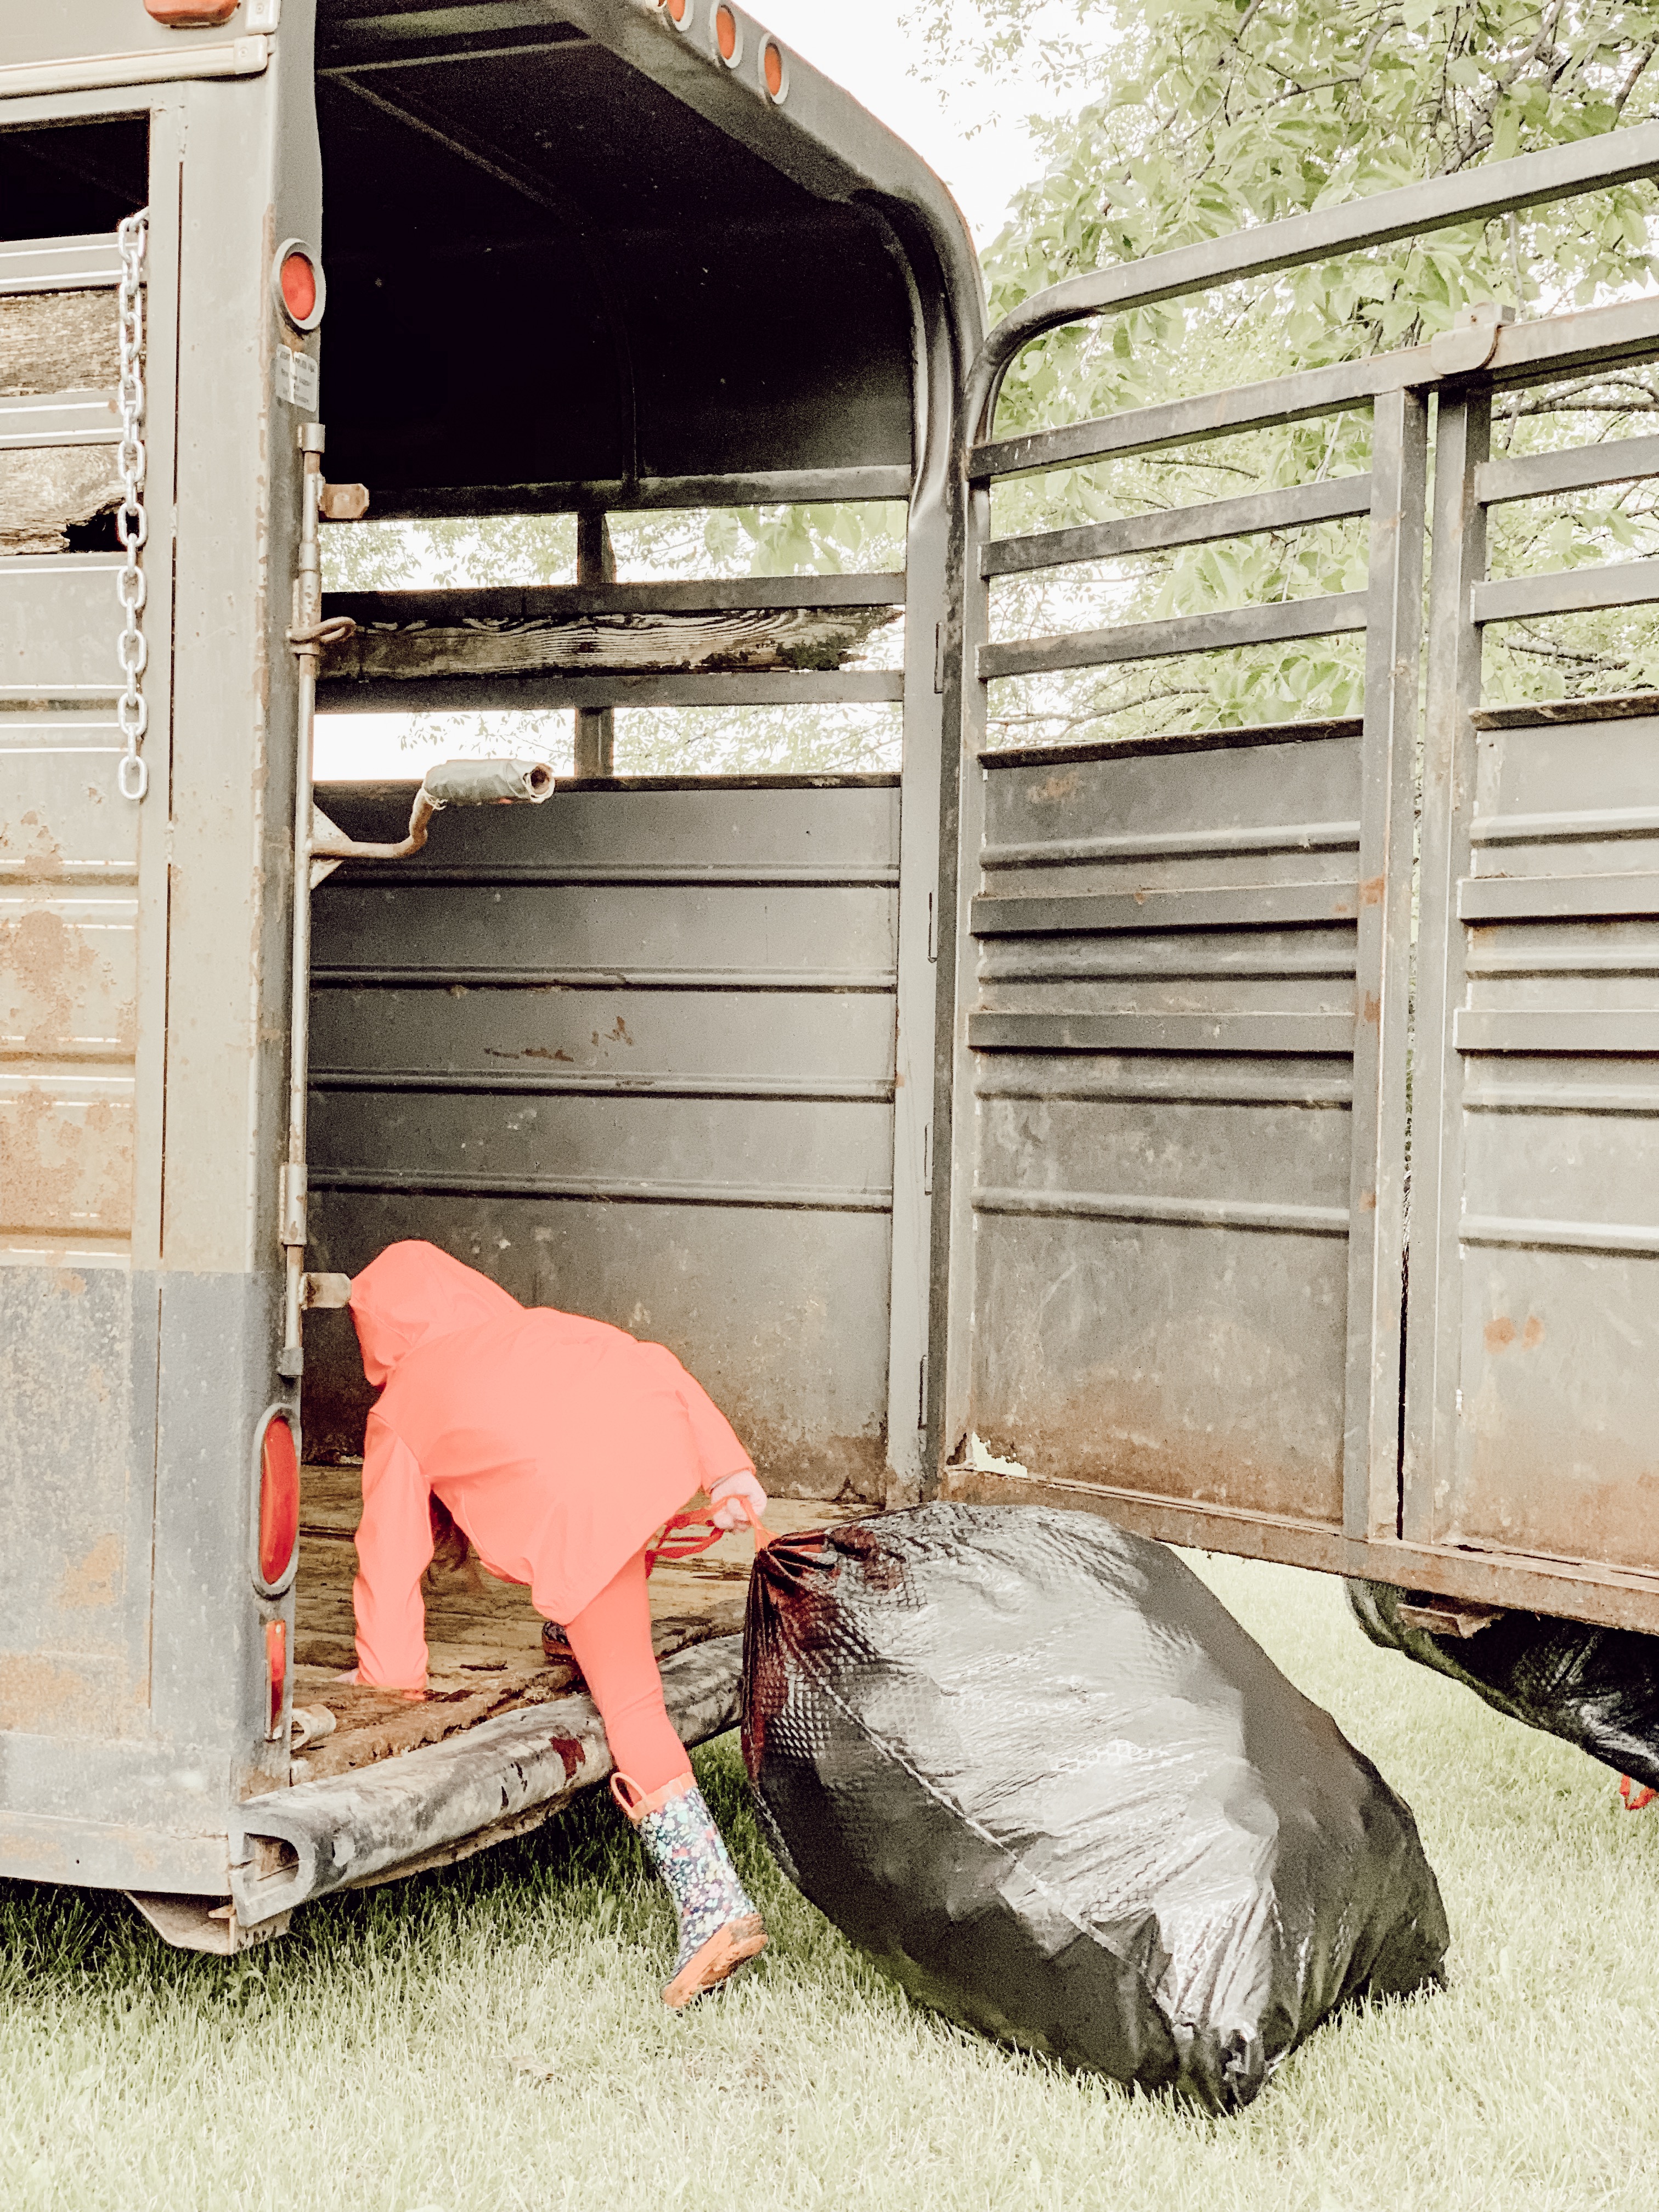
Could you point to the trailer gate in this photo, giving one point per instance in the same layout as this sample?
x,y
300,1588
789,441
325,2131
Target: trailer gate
x,y
1187,1044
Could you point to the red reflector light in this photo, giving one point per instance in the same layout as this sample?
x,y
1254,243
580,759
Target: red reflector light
x,y
772,71
725,33
276,1672
191,14
298,287
279,1499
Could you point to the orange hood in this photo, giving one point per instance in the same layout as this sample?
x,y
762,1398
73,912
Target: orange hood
x,y
413,1293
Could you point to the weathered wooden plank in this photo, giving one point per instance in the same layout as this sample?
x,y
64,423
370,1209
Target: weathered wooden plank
x,y
45,490
734,642
463,607
58,342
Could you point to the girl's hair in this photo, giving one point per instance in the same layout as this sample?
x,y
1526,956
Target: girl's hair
x,y
448,1537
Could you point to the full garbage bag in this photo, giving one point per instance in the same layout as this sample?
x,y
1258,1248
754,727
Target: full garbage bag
x,y
1598,1687
1027,1762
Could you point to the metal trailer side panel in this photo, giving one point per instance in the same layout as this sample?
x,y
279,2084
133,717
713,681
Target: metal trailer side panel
x,y
129,1778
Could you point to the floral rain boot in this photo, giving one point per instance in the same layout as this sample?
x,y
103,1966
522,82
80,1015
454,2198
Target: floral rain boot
x,y
719,1928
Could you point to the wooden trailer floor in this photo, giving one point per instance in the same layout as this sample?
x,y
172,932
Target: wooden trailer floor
x,y
484,1635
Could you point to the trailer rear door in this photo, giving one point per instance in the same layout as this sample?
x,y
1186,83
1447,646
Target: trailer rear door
x,y
1229,1047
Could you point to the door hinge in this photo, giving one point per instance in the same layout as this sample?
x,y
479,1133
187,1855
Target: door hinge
x,y
938,656
927,1159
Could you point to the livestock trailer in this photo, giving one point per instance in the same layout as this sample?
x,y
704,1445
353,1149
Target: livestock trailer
x,y
1019,1124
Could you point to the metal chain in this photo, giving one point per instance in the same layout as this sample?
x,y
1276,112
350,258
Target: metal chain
x,y
132,524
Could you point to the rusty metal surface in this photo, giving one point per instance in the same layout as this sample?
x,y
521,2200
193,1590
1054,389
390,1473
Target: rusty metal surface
x,y
1160,1233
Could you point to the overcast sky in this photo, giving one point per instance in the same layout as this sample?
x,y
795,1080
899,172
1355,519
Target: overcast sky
x,y
863,44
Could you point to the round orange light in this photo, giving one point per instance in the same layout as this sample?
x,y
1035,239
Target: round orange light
x,y
279,1499
679,11
772,71
725,33
299,282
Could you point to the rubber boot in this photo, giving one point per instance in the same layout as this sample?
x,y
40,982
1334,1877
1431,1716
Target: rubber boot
x,y
719,1928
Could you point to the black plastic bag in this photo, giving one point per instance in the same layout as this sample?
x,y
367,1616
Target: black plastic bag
x,y
1598,1687
1029,1764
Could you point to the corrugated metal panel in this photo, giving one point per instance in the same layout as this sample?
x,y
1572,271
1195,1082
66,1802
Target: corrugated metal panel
x,y
633,1054
1163,1056
1548,1301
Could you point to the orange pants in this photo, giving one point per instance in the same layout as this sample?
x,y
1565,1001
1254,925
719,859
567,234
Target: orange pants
x,y
611,1638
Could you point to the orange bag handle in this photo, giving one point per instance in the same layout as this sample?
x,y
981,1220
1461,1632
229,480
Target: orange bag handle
x,y
675,1542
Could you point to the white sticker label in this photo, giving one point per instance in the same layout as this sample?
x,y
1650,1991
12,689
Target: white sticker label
x,y
297,379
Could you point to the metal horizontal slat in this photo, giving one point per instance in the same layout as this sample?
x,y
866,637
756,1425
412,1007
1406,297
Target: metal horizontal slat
x,y
842,1091
1618,958
1178,845
652,495
1507,1096
1560,1030
611,979
1556,898
1181,960
1178,1033
1252,906
1182,525
691,875
790,1198
443,610
1187,1212
345,694
1327,615
61,418
1276,400
1180,744
1198,1084
1541,476
1589,826
1565,591
165,65
1613,707
60,265
1640,1239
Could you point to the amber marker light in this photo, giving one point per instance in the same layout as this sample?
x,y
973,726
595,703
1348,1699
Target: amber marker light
x,y
191,14
279,1500
276,1673
679,13
773,75
726,37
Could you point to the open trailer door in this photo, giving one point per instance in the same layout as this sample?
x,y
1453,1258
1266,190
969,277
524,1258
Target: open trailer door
x,y
1228,1046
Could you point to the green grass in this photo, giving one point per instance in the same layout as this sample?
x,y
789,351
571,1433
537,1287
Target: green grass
x,y
492,2037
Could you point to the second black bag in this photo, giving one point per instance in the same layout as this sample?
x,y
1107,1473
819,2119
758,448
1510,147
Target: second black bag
x,y
1031,1766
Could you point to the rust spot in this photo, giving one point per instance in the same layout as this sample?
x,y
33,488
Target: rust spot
x,y
530,1052
96,1580
570,1752
619,1034
1372,1009
1499,1333
1533,1335
65,1278
29,846
1053,787
1368,1203
1371,894
62,1174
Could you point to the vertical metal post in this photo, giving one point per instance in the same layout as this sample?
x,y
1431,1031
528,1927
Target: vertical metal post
x,y
1376,1203
308,642
1462,438
596,727
963,833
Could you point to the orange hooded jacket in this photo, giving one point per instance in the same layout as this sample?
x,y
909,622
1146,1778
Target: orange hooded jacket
x,y
557,1442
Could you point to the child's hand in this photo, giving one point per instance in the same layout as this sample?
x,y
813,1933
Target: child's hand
x,y
352,1677
727,1496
